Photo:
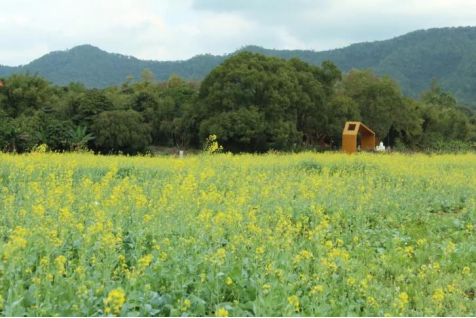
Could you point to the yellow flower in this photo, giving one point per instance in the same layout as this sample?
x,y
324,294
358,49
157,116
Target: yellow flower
x,y
403,297
80,271
363,285
450,288
145,261
164,256
409,250
266,287
222,312
115,300
60,261
82,291
44,262
186,304
450,247
38,210
317,288
306,255
421,242
466,270
303,255
229,281
294,301
402,300
350,281
372,302
221,253
211,145
438,296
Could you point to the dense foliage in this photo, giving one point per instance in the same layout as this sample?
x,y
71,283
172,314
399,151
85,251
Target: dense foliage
x,y
250,101
412,60
246,235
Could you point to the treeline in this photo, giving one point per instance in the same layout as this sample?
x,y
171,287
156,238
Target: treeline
x,y
250,101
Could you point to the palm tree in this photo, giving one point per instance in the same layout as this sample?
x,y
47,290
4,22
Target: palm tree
x,y
79,138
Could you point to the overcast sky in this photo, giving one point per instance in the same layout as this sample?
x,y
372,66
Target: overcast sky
x,y
180,29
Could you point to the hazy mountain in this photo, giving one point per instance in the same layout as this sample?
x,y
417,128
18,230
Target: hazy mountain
x,y
448,54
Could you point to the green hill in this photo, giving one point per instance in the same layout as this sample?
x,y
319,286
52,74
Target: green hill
x,y
96,68
448,54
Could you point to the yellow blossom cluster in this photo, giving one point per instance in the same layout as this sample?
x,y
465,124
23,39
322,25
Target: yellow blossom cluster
x,y
114,301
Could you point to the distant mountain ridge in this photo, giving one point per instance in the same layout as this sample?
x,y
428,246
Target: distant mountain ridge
x,y
97,68
413,59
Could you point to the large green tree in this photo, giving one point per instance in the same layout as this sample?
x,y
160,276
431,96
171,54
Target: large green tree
x,y
273,101
121,130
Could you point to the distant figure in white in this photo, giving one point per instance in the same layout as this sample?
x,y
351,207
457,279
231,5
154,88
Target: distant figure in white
x,y
380,147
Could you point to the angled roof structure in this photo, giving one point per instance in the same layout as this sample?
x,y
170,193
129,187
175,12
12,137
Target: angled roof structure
x,y
349,137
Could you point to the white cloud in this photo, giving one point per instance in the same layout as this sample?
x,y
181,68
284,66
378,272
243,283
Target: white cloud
x,y
171,30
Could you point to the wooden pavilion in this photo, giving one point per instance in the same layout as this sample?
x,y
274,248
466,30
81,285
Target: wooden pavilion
x,y
349,137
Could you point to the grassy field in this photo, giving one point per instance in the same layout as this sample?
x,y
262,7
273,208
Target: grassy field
x,y
306,234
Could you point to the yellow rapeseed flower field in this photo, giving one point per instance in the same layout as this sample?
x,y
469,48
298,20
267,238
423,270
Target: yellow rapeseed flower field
x,y
238,235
